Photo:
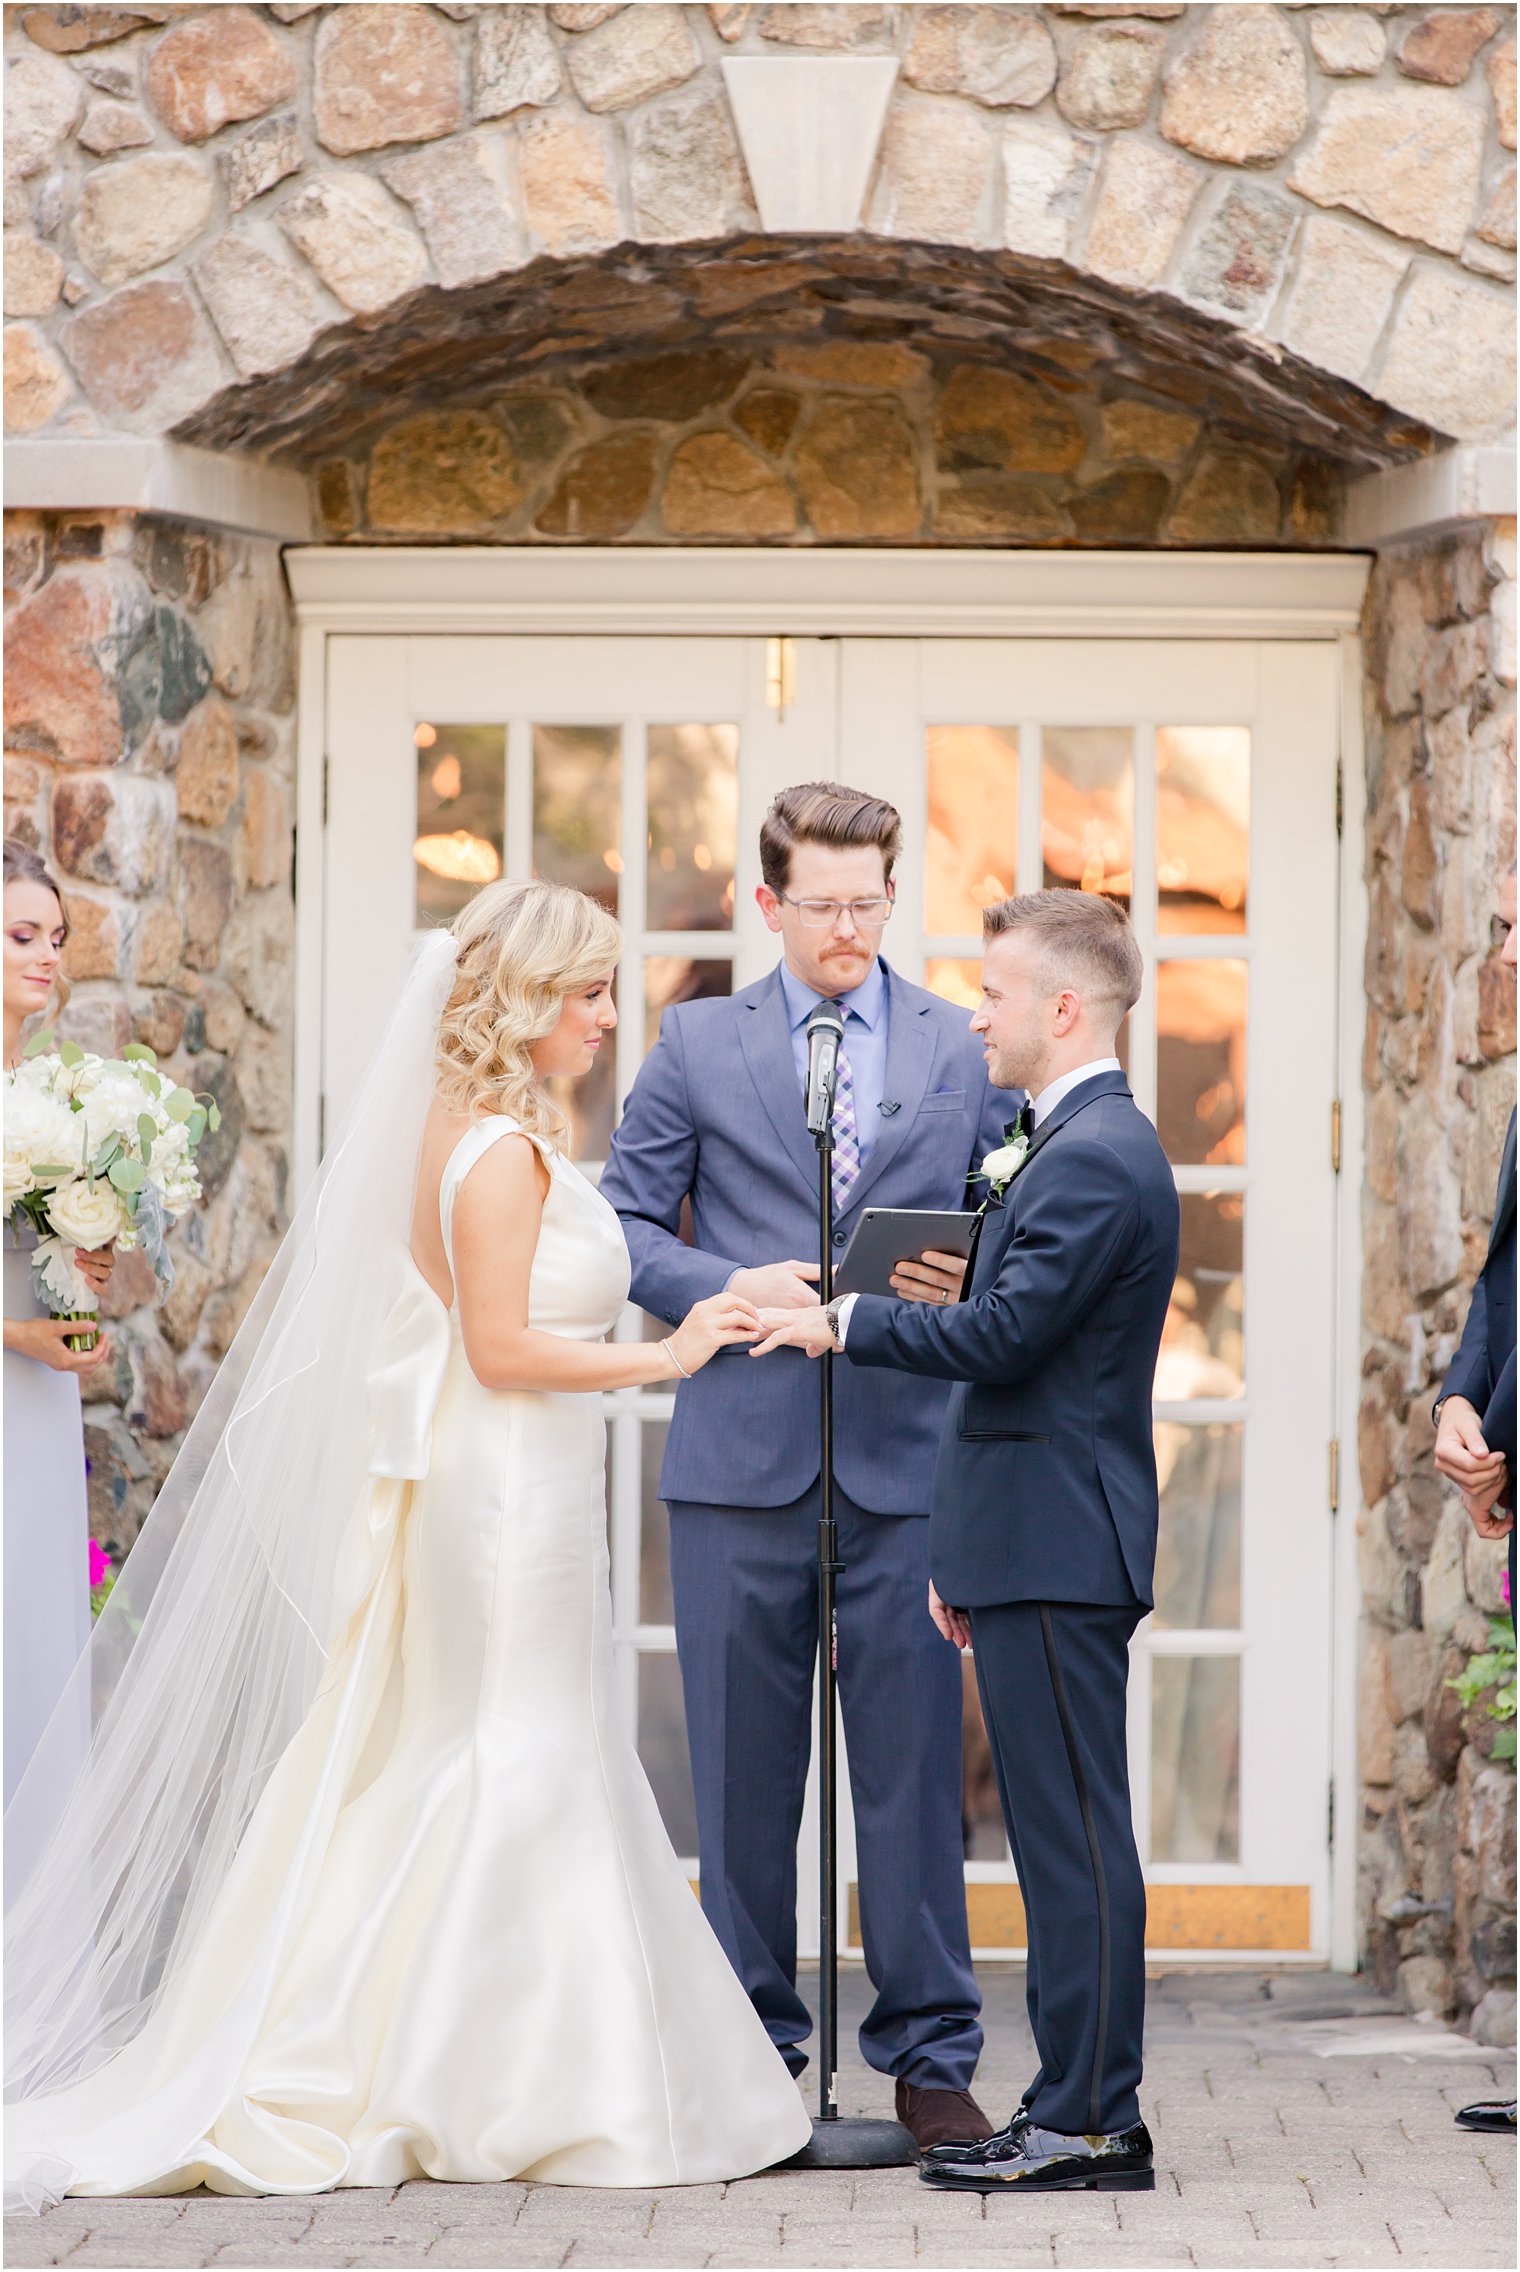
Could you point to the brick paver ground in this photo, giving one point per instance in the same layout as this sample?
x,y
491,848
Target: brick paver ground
x,y
1298,2122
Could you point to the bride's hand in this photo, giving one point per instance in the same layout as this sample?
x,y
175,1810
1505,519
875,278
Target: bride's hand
x,y
723,1321
796,1329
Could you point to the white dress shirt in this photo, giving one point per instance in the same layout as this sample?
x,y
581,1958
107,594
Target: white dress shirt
x,y
1052,1093
1044,1105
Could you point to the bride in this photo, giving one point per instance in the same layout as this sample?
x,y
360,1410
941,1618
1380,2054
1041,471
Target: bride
x,y
360,1880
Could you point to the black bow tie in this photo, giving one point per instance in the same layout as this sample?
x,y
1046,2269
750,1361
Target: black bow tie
x,y
1023,1126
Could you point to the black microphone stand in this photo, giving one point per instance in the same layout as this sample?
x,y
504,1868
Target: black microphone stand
x,y
859,2142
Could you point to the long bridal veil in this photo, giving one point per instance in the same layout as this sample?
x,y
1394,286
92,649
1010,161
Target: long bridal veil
x,y
224,1624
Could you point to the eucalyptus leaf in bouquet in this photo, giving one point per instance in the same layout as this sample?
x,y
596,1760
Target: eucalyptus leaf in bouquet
x,y
97,1150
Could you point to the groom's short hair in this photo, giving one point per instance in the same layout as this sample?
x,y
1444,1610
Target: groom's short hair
x,y
828,813
1082,940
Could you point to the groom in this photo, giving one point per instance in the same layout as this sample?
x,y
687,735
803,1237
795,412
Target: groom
x,y
715,1134
1043,1528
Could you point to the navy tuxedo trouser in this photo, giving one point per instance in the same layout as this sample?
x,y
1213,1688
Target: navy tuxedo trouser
x,y
1053,1678
746,1602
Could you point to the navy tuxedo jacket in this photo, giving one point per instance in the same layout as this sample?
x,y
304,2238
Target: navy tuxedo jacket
x,y
717,1116
1483,1369
1046,1484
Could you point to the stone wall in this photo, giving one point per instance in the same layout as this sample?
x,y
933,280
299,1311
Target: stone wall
x,y
196,198
150,753
852,441
1438,1822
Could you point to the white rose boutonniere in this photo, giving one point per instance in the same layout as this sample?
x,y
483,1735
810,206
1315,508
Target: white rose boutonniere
x,y
999,1168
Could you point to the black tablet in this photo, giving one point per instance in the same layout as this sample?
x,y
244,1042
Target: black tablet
x,y
885,1236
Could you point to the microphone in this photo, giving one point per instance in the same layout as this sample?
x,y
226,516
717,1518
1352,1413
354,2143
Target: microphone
x,y
825,1031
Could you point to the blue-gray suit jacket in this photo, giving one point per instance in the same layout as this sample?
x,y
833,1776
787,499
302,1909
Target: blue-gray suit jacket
x,y
716,1116
1046,1487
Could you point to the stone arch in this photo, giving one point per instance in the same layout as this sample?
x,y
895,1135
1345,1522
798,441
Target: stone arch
x,y
1330,199
809,388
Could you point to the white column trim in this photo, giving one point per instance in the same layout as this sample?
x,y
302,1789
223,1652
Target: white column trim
x,y
759,591
1348,1598
1470,483
215,487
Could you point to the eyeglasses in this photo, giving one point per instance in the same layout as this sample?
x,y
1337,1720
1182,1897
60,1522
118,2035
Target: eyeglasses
x,y
823,914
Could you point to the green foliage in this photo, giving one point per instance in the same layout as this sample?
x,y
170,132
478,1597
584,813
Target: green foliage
x,y
1493,1669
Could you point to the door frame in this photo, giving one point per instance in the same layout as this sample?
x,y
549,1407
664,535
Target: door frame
x,y
691,591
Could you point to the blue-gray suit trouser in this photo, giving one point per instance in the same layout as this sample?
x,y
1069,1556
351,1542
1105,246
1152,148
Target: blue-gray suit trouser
x,y
746,1603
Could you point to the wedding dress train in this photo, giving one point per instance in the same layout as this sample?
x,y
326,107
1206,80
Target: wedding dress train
x,y
454,1941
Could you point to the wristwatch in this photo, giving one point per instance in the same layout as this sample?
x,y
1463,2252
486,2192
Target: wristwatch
x,y
831,1312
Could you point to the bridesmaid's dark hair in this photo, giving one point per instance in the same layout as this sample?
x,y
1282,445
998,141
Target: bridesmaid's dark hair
x,y
23,865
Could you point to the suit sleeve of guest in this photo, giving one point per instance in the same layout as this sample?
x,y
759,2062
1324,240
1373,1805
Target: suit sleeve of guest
x,y
1499,1421
1471,1374
650,1171
1073,1229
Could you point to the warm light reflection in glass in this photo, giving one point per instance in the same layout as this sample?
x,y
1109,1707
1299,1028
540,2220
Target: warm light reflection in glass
x,y
1198,1547
1203,1341
669,979
589,1104
1201,1061
461,810
461,858
983,1838
693,806
955,978
1088,810
971,849
1195,1759
1203,827
577,795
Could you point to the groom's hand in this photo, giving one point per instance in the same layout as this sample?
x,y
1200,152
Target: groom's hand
x,y
930,1278
777,1285
807,1329
1461,1454
951,1622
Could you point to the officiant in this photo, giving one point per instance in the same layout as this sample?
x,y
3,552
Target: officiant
x,y
716,1122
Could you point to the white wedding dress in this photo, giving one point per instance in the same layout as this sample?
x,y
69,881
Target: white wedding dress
x,y
478,1955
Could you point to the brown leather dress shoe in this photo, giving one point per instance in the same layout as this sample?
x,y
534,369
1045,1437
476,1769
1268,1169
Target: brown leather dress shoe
x,y
940,2118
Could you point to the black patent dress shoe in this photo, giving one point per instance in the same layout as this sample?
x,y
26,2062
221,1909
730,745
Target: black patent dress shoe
x,y
1026,2159
976,2149
1488,2114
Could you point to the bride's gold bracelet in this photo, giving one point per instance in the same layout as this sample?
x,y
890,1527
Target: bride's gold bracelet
x,y
668,1345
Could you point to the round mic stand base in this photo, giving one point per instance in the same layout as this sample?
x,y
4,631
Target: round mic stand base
x,y
855,2143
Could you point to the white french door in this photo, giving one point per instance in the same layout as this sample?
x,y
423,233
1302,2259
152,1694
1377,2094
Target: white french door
x,y
1193,778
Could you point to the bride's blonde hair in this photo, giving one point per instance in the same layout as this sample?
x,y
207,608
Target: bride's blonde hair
x,y
523,948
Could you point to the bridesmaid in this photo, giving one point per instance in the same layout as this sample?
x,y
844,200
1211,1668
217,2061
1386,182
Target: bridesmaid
x,y
47,1592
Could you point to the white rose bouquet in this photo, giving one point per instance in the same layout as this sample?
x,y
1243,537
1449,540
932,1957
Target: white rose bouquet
x,y
96,1150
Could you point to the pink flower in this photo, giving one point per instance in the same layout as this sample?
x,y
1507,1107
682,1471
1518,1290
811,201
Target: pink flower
x,y
1504,1581
100,1563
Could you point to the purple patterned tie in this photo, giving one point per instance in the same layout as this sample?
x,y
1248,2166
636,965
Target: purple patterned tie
x,y
846,1134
